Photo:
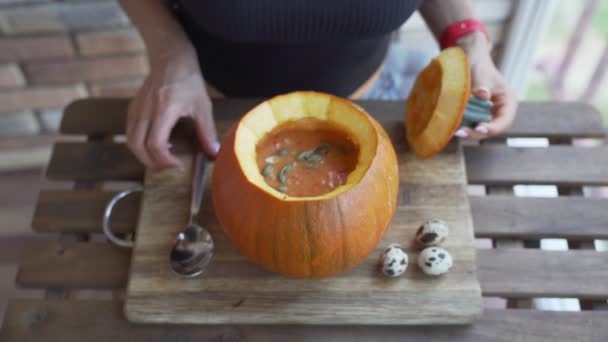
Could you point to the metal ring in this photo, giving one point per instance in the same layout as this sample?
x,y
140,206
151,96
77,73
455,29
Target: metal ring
x,y
107,229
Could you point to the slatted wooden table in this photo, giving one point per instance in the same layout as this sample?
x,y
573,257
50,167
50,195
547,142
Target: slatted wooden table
x,y
99,164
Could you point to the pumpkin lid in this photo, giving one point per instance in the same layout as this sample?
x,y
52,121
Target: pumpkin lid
x,y
437,102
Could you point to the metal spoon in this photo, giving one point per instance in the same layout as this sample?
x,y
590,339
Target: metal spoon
x,y
193,248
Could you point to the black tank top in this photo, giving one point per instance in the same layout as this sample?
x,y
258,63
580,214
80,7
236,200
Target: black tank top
x,y
268,47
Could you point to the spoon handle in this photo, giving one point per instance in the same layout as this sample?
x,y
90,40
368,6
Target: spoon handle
x,y
198,186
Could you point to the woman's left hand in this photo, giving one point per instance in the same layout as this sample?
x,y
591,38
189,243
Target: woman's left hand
x,y
487,83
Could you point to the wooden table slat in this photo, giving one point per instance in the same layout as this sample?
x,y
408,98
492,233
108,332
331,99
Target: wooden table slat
x,y
98,116
93,161
38,320
557,119
556,165
70,265
526,273
95,116
505,272
68,211
490,165
573,218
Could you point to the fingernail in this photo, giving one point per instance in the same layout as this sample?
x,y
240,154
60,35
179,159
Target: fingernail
x,y
461,133
483,92
481,129
215,147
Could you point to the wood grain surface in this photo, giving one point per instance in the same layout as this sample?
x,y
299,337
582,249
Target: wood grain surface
x,y
504,272
489,165
553,165
575,218
101,321
93,161
64,264
235,290
81,211
95,116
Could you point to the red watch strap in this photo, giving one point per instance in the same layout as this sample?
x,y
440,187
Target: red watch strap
x,y
459,29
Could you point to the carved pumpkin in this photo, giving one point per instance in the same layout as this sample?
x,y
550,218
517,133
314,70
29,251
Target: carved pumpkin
x,y
307,237
437,102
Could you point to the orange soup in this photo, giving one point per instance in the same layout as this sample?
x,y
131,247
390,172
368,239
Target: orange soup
x,y
306,157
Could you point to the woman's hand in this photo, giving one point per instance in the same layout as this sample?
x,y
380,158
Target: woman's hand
x,y
487,83
173,89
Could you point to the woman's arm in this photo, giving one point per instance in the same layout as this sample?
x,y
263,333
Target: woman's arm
x,y
162,34
173,89
486,80
438,14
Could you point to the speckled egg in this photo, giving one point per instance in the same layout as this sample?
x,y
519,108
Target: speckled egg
x,y
394,261
435,261
432,233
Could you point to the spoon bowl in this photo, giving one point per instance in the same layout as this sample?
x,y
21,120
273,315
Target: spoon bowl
x,y
193,247
192,251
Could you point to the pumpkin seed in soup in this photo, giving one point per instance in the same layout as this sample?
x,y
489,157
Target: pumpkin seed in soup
x,y
315,154
268,170
272,159
305,155
323,149
282,152
283,173
281,188
314,159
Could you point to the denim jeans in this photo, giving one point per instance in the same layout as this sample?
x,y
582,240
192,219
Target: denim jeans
x,y
401,66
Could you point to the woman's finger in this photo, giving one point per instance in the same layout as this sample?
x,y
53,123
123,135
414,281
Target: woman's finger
x,y
157,141
132,115
137,137
480,84
205,131
482,92
505,108
470,134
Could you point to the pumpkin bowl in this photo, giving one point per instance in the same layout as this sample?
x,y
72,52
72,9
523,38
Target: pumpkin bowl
x,y
305,236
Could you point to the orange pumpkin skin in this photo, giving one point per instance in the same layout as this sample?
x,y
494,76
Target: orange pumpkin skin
x,y
437,102
307,238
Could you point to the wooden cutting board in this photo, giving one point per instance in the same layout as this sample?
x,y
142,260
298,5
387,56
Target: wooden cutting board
x,y
234,290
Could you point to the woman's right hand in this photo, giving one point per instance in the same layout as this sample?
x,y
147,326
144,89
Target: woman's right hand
x,y
173,89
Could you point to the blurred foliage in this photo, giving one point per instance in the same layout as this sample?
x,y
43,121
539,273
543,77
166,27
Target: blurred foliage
x,y
562,25
600,20
537,91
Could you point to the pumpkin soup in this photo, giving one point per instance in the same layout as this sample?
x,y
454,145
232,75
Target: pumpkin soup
x,y
306,157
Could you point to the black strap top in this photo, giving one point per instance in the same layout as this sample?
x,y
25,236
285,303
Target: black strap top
x,y
268,47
